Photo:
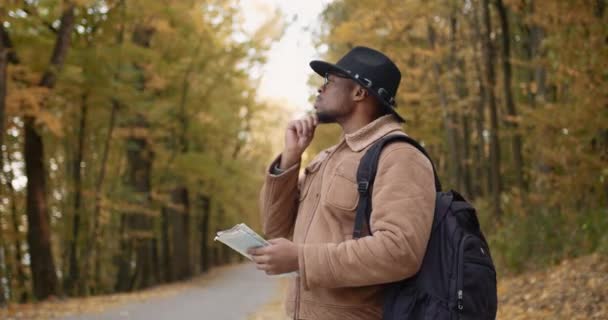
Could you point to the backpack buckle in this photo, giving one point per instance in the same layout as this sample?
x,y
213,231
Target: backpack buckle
x,y
363,186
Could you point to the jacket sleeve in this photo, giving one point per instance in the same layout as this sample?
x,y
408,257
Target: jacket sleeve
x,y
403,203
278,201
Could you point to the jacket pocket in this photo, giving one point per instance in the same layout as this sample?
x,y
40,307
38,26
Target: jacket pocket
x,y
342,191
306,180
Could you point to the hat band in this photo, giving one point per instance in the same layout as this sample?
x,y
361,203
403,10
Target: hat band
x,y
383,93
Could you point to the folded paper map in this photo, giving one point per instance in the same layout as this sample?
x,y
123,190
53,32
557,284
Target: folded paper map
x,y
240,238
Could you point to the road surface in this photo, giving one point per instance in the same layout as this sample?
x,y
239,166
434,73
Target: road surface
x,y
233,294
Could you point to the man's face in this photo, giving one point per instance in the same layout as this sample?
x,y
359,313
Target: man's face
x,y
334,101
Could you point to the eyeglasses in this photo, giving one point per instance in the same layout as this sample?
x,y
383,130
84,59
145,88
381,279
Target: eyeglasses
x,y
326,80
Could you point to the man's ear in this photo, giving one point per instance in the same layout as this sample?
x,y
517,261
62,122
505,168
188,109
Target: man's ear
x,y
359,93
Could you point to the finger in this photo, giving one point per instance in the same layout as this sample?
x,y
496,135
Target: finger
x,y
260,251
304,134
263,267
255,251
305,127
298,125
312,118
291,126
275,240
313,124
309,126
260,259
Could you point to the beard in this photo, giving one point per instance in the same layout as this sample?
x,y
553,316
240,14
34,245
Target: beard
x,y
326,117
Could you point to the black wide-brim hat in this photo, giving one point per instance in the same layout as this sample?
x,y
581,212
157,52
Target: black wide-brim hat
x,y
370,68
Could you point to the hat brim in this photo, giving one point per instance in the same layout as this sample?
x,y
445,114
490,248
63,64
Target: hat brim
x,y
322,68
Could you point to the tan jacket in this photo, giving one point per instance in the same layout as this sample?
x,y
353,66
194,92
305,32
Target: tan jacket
x,y
339,278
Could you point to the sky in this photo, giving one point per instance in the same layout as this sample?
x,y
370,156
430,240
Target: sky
x,y
285,75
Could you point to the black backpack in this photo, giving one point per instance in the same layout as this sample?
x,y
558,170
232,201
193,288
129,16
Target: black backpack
x,y
457,279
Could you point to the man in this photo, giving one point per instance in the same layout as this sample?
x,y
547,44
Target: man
x,y
340,277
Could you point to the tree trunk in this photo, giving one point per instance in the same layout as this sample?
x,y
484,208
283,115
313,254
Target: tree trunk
x,y
457,67
516,143
490,80
23,295
39,233
181,234
137,229
8,55
600,7
205,255
466,156
481,179
93,244
11,55
74,274
536,85
3,78
124,259
3,272
140,164
166,245
180,209
62,45
139,159
15,218
4,275
448,121
93,248
156,267
536,75
44,277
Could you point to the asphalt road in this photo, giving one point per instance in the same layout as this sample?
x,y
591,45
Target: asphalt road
x,y
232,294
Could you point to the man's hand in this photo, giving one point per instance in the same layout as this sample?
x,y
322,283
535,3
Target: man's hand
x,y
281,256
298,136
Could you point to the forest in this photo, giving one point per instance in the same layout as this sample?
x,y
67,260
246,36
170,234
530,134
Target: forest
x,y
131,133
131,130
510,99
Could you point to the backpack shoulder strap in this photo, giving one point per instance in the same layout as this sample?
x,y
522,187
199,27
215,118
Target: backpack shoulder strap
x,y
366,174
